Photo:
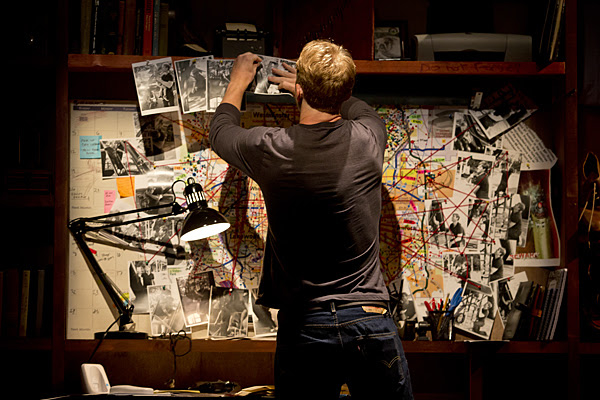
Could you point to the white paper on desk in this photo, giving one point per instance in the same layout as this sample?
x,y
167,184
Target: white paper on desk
x,y
536,155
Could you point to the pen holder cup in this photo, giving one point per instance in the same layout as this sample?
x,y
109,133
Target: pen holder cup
x,y
442,325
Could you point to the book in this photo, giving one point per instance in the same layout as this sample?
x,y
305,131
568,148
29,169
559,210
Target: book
x,y
551,30
129,27
558,23
562,281
163,34
121,31
552,285
104,27
36,302
155,27
545,306
24,301
536,312
148,23
85,26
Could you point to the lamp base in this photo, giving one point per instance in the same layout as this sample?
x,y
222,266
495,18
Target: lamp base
x,y
121,335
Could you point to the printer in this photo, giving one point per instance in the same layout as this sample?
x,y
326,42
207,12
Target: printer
x,y
472,47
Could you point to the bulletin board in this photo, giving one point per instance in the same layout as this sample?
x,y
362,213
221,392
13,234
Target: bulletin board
x,y
458,191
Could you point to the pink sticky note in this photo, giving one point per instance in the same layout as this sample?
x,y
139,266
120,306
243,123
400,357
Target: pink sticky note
x,y
110,196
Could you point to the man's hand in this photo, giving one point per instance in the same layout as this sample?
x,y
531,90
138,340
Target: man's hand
x,y
285,79
242,74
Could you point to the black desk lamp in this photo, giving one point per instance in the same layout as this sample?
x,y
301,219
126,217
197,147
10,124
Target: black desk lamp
x,y
201,222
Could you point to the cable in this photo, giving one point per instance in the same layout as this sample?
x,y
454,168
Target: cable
x,y
174,338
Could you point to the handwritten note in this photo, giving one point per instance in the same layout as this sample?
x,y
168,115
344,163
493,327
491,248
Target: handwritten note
x,y
89,147
109,199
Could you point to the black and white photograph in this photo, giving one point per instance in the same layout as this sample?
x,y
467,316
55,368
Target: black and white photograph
x,y
478,225
194,291
229,313
389,42
264,319
154,189
504,298
505,178
473,174
456,235
123,157
476,312
166,315
469,136
192,75
265,69
161,135
518,219
140,277
156,86
437,226
219,73
500,260
458,269
495,122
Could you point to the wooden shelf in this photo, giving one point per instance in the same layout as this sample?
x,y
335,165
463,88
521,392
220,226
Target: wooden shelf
x,y
112,63
268,346
198,345
589,348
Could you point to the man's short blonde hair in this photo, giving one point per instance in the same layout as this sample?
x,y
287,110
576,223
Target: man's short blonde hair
x,y
326,73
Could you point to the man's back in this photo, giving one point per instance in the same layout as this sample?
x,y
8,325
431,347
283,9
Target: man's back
x,y
322,188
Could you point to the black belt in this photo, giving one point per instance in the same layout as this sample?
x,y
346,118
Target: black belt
x,y
334,305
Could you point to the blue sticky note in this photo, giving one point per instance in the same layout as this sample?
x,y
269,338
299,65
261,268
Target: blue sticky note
x,y
89,146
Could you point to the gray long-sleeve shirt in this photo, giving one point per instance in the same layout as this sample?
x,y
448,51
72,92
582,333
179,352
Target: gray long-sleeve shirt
x,y
322,189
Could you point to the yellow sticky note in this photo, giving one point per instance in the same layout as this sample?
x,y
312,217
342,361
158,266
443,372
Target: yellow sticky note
x,y
126,186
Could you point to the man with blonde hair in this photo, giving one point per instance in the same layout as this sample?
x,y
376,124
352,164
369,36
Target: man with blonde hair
x,y
321,181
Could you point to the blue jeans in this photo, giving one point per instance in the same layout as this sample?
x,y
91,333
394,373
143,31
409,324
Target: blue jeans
x,y
320,350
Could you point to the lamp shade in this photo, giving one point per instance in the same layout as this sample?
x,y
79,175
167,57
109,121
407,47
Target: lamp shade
x,y
202,221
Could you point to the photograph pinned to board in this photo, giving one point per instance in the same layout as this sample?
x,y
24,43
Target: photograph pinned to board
x,y
390,40
161,135
154,188
219,75
469,137
140,277
496,122
499,259
264,319
476,312
155,85
261,83
192,75
123,157
166,314
229,313
195,291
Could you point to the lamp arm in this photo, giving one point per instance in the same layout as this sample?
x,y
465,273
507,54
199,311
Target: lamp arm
x,y
123,309
120,307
